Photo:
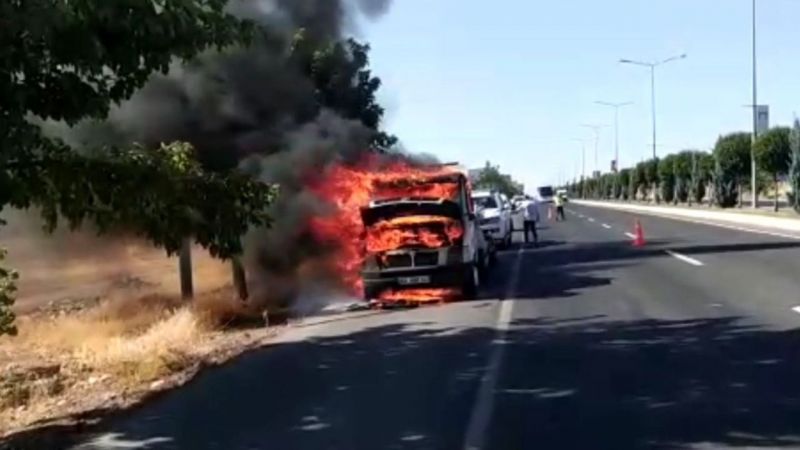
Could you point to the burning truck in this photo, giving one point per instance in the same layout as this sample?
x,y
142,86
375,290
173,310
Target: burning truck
x,y
410,233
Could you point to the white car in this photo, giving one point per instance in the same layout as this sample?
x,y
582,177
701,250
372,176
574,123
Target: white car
x,y
494,212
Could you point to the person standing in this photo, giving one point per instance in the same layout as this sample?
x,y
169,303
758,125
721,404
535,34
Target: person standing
x,y
531,216
559,200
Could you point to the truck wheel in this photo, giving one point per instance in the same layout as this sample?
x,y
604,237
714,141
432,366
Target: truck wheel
x,y
471,279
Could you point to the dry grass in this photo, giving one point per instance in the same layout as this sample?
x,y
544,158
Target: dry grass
x,y
119,345
132,340
102,317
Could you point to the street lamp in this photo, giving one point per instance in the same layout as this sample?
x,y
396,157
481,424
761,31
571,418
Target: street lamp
x,y
753,168
616,107
652,66
596,129
583,164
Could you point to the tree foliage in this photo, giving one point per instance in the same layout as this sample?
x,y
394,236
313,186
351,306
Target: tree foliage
x,y
666,175
490,177
702,167
624,181
8,288
682,171
342,80
773,154
732,154
794,169
726,184
70,61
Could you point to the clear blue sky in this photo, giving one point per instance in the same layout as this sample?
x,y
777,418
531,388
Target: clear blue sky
x,y
511,81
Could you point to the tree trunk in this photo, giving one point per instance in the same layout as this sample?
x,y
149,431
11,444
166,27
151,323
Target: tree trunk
x,y
777,197
741,194
185,267
239,278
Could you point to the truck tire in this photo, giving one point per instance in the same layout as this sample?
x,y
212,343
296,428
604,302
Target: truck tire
x,y
469,289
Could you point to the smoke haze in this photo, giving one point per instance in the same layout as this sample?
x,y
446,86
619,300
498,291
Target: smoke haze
x,y
251,109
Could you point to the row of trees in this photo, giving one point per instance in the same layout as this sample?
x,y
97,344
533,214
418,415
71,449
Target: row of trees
x,y
719,177
70,61
490,177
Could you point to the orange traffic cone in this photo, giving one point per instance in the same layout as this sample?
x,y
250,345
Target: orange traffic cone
x,y
638,239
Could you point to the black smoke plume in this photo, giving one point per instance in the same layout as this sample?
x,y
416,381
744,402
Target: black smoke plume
x,y
251,109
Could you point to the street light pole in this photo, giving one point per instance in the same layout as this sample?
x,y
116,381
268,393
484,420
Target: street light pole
x,y
616,107
583,164
652,66
753,167
596,129
653,104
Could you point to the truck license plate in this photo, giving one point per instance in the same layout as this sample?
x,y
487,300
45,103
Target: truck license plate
x,y
407,281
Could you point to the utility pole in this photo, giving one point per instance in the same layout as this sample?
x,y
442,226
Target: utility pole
x,y
652,66
616,107
596,129
753,167
583,165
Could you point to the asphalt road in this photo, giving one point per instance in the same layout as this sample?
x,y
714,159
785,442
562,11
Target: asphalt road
x,y
582,343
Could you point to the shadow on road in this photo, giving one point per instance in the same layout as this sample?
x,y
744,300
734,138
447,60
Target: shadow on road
x,y
584,383
579,383
649,384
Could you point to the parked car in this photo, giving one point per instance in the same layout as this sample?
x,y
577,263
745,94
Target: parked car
x,y
494,212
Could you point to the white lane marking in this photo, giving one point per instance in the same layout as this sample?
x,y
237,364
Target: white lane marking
x,y
591,220
630,235
606,226
685,258
478,425
796,309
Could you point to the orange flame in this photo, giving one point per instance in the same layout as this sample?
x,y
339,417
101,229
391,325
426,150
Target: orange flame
x,y
409,231
348,188
420,295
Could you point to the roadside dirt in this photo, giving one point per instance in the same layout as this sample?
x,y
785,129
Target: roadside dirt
x,y
102,325
69,270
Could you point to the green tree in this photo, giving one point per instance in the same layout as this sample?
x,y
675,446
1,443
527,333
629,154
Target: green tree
x,y
70,61
794,169
490,177
624,181
651,180
666,175
732,154
342,81
8,288
773,155
702,167
637,180
682,171
617,186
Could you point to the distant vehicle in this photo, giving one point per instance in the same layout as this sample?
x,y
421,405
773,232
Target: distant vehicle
x,y
494,213
424,243
517,201
546,194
